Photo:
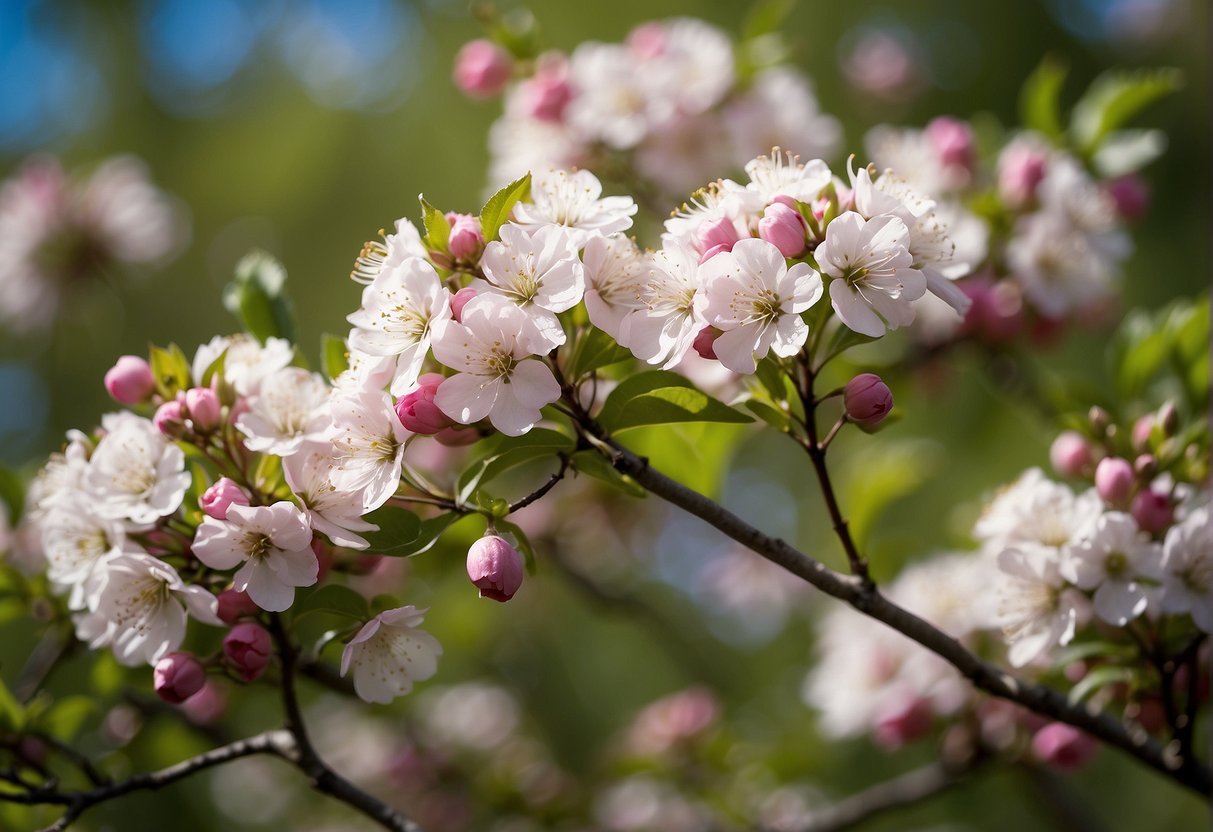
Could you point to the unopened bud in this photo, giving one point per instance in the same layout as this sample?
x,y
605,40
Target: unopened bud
x,y
495,568
867,400
1153,511
1114,480
459,300
1131,195
204,409
482,68
720,232
1070,454
548,92
234,605
703,343
177,677
457,437
248,648
222,494
130,380
1142,429
952,141
170,418
466,240
1063,746
1021,167
1168,417
784,228
1099,419
1145,467
911,719
417,411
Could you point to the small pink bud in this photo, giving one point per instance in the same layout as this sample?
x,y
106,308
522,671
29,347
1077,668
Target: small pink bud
x,y
247,646
170,418
1153,511
784,228
130,380
482,68
712,252
454,437
495,568
1131,194
417,411
1145,467
1114,479
548,92
466,240
647,41
204,408
177,677
703,343
222,494
1142,429
867,400
1063,746
460,300
910,720
234,605
952,141
1020,170
207,705
717,232
1070,454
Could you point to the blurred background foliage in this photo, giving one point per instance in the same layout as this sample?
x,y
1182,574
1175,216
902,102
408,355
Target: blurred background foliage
x,y
303,126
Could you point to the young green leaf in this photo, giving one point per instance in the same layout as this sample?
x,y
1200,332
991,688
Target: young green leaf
x,y
437,229
497,210
660,397
335,357
1040,98
1114,98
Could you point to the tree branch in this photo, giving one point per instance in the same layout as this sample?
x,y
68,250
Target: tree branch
x,y
867,599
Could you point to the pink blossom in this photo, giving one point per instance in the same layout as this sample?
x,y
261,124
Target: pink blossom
x,y
222,494
495,568
417,410
482,68
248,647
867,400
177,677
130,380
1063,746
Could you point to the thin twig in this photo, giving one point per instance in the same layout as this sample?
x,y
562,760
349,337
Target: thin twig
x,y
543,489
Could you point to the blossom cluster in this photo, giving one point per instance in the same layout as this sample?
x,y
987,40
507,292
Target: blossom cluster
x,y
670,103
57,232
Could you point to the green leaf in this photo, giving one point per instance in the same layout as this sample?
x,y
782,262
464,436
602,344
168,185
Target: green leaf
x,y
431,530
12,493
398,527
1098,678
877,475
268,474
437,229
506,452
1114,98
171,369
497,210
213,369
1040,98
772,416
12,714
659,397
66,716
335,599
593,464
766,17
593,350
257,298
334,358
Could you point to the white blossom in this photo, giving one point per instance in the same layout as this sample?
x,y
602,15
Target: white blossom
x,y
389,654
377,257
1187,578
368,445
1037,610
246,362
615,271
333,512
1113,560
574,202
271,544
134,473
1037,511
662,330
74,541
290,408
757,301
779,109
619,100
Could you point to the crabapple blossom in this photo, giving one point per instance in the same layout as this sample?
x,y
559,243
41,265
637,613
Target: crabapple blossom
x,y
1114,479
248,647
376,257
400,309
756,301
368,446
460,300
1036,609
337,514
573,201
1187,569
246,362
615,270
234,605
139,609
1152,510
874,281
482,68
617,101
784,228
204,408
495,568
289,409
540,273
1037,511
222,494
1070,454
177,677
672,307
271,544
867,400
1119,562
466,239
75,541
134,474
389,654
496,377
779,109
130,380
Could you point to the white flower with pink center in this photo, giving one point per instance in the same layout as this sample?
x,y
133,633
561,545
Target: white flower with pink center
x,y
615,272
539,273
75,541
367,445
271,544
1037,610
496,376
574,202
246,363
135,474
399,310
1119,562
290,408
874,283
335,513
757,300
389,654
1187,579
139,607
662,330
377,257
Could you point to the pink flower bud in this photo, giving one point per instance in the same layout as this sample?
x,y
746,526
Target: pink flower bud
x,y
247,646
1020,170
204,408
867,400
1063,746
996,314
1153,511
952,141
1145,467
546,94
712,252
234,605
910,720
207,705
130,380
482,68
1142,429
703,343
222,494
1131,194
460,300
647,41
1070,454
466,240
177,677
1114,479
170,418
784,228
454,437
417,411
495,568
717,232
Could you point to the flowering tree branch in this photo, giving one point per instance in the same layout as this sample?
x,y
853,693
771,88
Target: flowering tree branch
x,y
867,599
